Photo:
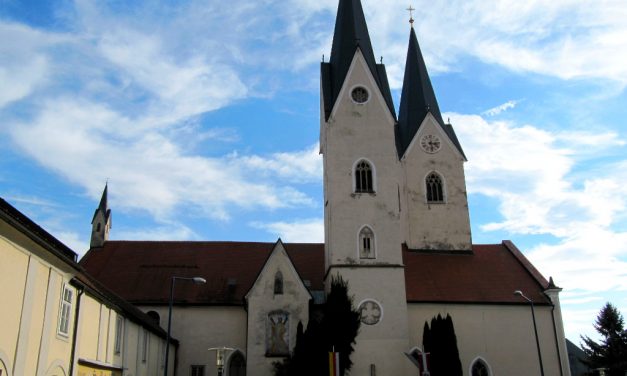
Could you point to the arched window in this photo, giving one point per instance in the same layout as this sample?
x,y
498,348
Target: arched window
x,y
435,188
363,177
237,364
479,368
366,243
278,283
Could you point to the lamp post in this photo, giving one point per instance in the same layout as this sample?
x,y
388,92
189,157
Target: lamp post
x,y
220,353
535,328
196,280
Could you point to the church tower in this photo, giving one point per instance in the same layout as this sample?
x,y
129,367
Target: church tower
x,y
434,204
362,193
101,222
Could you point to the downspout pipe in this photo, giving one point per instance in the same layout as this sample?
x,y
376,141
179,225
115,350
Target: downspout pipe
x,y
75,332
557,345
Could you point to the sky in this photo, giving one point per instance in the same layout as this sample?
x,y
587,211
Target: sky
x,y
203,117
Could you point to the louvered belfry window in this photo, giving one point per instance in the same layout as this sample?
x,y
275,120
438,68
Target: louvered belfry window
x,y
363,177
435,189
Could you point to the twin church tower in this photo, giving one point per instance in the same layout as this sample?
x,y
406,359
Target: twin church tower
x,y
391,183
397,229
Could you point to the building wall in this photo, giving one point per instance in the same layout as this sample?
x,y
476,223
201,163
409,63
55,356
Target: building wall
x,y
262,301
199,328
354,132
97,337
502,335
32,281
443,226
380,345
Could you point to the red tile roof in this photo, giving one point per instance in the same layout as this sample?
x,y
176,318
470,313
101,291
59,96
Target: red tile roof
x,y
139,271
490,274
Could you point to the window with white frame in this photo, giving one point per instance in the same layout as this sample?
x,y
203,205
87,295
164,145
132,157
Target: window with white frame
x,y
366,243
435,188
364,182
197,370
65,310
119,333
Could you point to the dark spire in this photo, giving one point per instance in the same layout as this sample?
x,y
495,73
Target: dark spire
x,y
418,99
351,32
104,205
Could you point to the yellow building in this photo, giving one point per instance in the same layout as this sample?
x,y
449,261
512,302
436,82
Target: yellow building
x,y
57,321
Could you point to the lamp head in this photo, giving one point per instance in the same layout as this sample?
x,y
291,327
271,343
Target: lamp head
x,y
199,280
518,292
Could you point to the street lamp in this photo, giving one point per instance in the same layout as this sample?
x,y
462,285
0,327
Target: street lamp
x,y
196,280
535,329
220,353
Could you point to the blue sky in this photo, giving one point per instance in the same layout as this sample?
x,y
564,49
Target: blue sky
x,y
204,118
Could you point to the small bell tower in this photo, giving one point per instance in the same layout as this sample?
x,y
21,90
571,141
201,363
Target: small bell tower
x,y
101,222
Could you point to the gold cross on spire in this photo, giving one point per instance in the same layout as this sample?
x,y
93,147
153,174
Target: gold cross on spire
x,y
411,15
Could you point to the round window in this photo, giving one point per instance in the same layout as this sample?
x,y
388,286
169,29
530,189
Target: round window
x,y
360,95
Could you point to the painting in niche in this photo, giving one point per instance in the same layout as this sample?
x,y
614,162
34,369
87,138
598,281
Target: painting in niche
x,y
278,334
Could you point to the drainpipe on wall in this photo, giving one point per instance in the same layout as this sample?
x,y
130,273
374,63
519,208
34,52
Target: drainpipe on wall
x,y
75,331
557,345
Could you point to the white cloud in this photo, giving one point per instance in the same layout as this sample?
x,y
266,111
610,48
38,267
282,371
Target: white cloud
x,y
86,143
566,39
300,231
23,63
74,241
301,166
501,108
529,172
168,231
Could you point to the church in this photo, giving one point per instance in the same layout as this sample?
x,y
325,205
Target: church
x,y
397,229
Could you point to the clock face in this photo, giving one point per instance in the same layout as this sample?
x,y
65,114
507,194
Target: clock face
x,y
430,143
370,312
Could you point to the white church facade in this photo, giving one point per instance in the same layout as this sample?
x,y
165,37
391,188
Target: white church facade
x,y
397,229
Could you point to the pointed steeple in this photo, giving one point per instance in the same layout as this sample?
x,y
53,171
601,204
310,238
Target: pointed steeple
x,y
103,207
351,32
101,221
418,99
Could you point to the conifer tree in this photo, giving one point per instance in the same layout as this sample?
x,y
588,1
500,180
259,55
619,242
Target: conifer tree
x,y
611,352
441,342
337,329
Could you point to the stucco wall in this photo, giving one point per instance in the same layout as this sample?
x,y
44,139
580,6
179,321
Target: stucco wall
x,y
382,344
443,226
262,301
97,335
502,335
31,282
354,132
199,328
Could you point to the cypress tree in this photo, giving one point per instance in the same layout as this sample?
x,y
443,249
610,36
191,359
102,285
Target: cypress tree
x,y
441,342
337,330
